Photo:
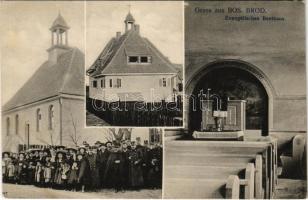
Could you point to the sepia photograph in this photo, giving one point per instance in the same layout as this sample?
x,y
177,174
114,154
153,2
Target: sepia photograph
x,y
47,151
245,110
134,57
153,99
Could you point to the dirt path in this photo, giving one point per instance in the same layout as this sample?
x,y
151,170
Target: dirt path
x,y
29,191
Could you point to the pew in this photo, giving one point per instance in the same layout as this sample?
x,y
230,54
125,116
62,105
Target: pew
x,y
294,162
218,164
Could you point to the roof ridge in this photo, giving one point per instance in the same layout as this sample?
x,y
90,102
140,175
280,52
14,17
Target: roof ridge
x,y
109,43
118,50
68,69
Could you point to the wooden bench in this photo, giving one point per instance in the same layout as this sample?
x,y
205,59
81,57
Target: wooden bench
x,y
294,162
196,160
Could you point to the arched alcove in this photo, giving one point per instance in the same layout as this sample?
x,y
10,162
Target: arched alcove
x,y
238,80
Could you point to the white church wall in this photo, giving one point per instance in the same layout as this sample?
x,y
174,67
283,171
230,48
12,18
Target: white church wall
x,y
28,115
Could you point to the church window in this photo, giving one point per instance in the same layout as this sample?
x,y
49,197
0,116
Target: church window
x,y
51,117
103,83
133,59
110,83
16,124
118,83
94,83
164,82
38,119
8,126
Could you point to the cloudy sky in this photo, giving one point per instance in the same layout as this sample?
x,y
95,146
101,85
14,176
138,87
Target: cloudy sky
x,y
25,35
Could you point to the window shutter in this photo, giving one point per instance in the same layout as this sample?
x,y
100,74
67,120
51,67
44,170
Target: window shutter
x,y
160,82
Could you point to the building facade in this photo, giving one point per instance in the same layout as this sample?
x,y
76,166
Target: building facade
x,y
46,110
131,68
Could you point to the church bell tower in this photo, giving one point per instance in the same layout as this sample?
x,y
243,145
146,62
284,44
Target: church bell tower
x,y
59,38
129,22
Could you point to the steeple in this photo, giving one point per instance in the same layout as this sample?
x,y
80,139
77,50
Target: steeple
x,y
59,38
129,21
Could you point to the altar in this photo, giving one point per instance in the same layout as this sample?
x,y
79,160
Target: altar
x,y
222,120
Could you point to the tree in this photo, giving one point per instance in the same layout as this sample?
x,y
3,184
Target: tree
x,y
73,135
123,133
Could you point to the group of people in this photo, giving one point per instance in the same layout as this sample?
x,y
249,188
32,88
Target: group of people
x,y
119,165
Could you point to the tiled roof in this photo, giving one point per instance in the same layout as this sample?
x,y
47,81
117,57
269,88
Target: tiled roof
x,y
66,76
113,59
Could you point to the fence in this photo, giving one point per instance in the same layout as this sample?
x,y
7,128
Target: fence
x,y
138,113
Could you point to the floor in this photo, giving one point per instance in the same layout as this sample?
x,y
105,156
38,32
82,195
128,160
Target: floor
x,y
291,189
29,191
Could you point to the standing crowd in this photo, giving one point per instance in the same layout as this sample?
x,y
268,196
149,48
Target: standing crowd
x,y
118,165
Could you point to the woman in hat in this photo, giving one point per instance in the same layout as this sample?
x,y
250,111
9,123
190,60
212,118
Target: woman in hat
x,y
83,151
59,162
84,176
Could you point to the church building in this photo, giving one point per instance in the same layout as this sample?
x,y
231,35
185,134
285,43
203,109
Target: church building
x,y
131,68
46,109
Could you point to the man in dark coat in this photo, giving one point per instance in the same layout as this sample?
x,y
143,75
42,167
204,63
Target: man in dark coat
x,y
84,176
155,167
115,168
102,157
135,168
125,152
145,162
94,169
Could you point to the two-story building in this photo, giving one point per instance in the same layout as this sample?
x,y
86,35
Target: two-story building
x,y
131,68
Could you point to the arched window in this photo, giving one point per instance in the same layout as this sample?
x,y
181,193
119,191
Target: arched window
x,y
38,119
16,124
51,117
8,126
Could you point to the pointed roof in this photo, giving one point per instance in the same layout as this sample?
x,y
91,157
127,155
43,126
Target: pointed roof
x,y
113,58
129,18
59,22
50,80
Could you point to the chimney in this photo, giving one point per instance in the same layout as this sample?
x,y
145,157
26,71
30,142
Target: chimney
x,y
118,35
137,28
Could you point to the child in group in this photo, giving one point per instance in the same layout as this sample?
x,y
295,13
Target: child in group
x,y
47,174
11,171
64,175
31,173
39,174
73,177
5,160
